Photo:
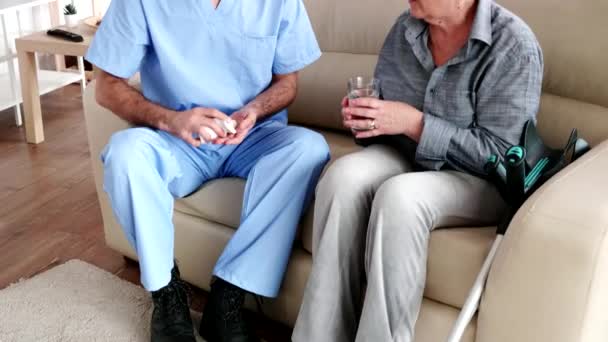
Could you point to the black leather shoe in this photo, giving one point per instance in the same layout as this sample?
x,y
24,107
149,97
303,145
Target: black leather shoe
x,y
171,321
223,315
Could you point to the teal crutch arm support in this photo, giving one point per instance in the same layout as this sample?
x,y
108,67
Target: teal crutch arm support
x,y
516,173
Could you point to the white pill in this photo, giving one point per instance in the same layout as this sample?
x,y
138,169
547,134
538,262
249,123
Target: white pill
x,y
210,132
228,125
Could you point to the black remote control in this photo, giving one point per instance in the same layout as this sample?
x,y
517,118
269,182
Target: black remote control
x,y
73,37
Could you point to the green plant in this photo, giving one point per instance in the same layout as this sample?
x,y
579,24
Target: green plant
x,y
70,9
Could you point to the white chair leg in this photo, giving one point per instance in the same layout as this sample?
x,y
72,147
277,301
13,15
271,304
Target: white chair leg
x,y
18,116
19,26
83,80
11,72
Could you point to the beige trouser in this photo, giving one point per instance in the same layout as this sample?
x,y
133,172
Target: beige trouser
x,y
373,218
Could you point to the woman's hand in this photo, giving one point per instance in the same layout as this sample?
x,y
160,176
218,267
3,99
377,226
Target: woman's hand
x,y
370,117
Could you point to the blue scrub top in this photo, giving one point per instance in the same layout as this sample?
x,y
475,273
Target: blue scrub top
x,y
192,55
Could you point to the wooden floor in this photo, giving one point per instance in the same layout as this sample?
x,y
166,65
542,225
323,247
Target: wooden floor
x,y
49,211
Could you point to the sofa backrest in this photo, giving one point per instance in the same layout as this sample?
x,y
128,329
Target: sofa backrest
x,y
351,34
571,33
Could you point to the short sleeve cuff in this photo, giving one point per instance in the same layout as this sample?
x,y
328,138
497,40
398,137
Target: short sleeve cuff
x,y
114,58
434,143
308,59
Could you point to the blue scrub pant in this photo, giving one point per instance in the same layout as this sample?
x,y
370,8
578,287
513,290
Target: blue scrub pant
x,y
145,169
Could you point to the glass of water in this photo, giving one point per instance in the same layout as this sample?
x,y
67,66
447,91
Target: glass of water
x,y
362,86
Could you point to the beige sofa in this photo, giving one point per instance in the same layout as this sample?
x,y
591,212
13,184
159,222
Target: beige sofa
x,y
550,279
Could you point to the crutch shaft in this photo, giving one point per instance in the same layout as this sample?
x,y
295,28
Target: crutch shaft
x,y
472,303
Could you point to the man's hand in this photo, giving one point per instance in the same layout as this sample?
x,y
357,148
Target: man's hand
x,y
129,104
279,95
370,117
245,120
186,124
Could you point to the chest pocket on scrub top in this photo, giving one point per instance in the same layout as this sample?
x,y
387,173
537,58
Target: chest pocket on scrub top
x,y
257,56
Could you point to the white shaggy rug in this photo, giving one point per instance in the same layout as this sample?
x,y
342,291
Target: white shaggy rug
x,y
75,302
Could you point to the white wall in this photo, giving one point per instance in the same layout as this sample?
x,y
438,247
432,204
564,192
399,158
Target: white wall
x,y
38,19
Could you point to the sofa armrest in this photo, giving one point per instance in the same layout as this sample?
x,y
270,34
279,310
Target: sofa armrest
x,y
549,281
101,124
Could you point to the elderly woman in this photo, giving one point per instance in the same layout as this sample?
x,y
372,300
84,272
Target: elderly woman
x,y
459,80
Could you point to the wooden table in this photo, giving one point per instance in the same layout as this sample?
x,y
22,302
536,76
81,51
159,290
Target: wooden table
x,y
27,47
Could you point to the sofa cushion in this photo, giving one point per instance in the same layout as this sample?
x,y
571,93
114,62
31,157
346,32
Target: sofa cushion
x,y
221,200
575,83
455,257
320,106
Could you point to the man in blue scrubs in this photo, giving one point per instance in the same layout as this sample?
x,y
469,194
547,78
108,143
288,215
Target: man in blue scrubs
x,y
202,60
